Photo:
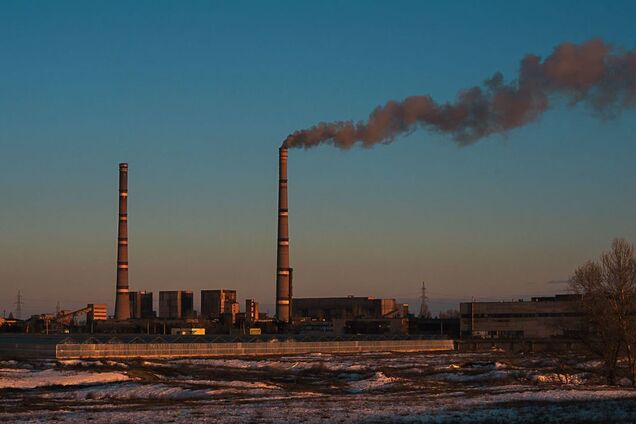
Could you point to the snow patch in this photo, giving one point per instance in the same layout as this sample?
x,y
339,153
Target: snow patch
x,y
83,363
460,377
283,364
25,379
377,382
132,391
558,395
558,378
233,384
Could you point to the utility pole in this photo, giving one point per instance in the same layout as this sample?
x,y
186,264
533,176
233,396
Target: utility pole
x,y
18,306
57,308
424,312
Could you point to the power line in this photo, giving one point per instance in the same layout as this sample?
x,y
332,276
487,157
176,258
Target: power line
x,y
424,312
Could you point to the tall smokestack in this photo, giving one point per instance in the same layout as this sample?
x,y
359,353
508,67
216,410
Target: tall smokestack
x,y
283,278
122,301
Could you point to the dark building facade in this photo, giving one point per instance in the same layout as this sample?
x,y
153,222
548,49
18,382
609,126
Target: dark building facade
x,y
541,317
141,305
251,311
329,308
176,304
187,305
350,315
215,303
147,305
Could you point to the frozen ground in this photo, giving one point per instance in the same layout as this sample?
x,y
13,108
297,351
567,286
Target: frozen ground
x,y
376,388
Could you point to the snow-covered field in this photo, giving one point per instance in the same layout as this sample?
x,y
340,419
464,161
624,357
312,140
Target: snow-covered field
x,y
377,388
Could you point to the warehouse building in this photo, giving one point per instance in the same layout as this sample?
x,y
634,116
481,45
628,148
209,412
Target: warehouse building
x,y
541,317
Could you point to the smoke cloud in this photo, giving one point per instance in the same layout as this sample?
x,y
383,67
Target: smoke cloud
x,y
593,73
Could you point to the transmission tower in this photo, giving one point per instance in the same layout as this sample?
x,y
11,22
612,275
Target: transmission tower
x,y
18,306
424,312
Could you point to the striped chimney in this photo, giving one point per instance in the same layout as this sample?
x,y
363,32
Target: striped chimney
x,y
122,301
283,278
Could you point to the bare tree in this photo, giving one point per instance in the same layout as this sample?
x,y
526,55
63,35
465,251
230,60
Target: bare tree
x,y
619,266
608,292
449,314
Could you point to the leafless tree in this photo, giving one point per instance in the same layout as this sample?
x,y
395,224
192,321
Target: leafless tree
x,y
449,314
608,294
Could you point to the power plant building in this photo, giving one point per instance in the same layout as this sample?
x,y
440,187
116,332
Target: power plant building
x,y
176,304
251,311
97,312
233,311
141,305
215,303
351,307
350,315
542,317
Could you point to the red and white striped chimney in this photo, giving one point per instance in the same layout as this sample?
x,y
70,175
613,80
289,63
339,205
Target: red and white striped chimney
x,y
122,301
283,277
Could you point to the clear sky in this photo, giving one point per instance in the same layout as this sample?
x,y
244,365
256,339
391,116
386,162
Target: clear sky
x,y
197,96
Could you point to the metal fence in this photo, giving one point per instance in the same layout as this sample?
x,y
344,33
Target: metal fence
x,y
185,350
152,346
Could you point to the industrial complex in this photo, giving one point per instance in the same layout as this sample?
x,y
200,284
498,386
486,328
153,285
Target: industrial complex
x,y
168,323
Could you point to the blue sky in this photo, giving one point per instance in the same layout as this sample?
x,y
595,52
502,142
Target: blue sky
x,y
197,96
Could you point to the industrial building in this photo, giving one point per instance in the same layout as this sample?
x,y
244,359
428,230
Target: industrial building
x,y
230,316
350,307
251,311
141,305
541,317
96,312
215,303
350,315
176,304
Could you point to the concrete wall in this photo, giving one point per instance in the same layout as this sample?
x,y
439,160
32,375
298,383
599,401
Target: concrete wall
x,y
184,350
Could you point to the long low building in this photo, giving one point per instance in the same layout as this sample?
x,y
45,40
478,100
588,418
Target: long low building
x,y
349,315
541,317
350,307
